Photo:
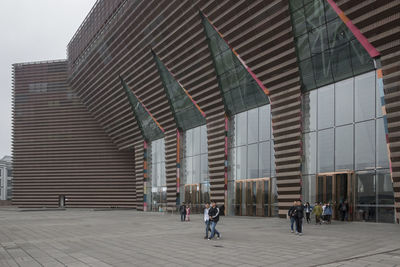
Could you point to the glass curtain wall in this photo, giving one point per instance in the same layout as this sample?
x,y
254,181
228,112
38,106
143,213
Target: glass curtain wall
x,y
251,152
327,51
343,131
158,198
195,182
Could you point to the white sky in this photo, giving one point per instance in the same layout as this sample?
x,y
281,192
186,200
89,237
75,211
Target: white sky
x,y
33,30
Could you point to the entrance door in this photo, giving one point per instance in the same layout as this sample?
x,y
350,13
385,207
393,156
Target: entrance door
x,y
336,188
193,197
253,197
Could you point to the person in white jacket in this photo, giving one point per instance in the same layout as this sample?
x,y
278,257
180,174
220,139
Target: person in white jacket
x,y
207,219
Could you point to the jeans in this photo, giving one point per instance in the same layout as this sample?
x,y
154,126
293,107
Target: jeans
x,y
207,223
213,230
308,217
292,220
183,217
299,225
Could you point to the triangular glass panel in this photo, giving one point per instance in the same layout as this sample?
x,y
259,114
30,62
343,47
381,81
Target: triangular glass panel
x,y
240,88
187,112
149,127
327,49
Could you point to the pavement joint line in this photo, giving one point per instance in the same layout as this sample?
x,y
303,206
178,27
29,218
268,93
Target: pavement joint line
x,y
357,257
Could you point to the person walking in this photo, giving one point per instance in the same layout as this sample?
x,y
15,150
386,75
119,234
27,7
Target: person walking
x,y
207,219
308,209
317,211
291,216
213,214
328,213
299,215
343,208
182,211
188,213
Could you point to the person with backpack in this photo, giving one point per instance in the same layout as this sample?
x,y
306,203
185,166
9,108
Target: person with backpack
x,y
182,211
213,214
291,214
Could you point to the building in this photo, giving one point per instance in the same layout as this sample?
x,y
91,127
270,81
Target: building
x,y
6,177
251,103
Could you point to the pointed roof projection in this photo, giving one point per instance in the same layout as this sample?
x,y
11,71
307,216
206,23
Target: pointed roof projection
x,y
240,87
150,128
186,112
329,47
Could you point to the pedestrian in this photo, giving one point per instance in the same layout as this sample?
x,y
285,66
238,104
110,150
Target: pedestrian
x,y
182,211
188,213
299,215
207,219
343,209
213,214
291,216
317,211
328,213
308,209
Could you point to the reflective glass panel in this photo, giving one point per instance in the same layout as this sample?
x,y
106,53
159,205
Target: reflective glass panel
x,y
344,147
365,145
365,96
382,155
310,111
325,107
344,102
264,159
264,123
384,187
310,153
252,126
325,150
252,161
241,162
241,128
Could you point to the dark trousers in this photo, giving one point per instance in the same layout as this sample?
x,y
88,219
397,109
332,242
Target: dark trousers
x,y
308,217
183,217
299,224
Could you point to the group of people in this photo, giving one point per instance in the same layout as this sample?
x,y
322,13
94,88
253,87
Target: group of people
x,y
185,212
211,218
323,214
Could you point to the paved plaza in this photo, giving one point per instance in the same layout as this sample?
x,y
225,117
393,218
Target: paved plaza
x,y
131,238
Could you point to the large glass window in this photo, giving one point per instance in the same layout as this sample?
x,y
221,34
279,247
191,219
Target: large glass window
x,y
354,142
195,181
327,50
158,176
251,153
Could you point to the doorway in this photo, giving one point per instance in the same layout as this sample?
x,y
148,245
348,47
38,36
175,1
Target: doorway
x,y
253,197
336,188
196,195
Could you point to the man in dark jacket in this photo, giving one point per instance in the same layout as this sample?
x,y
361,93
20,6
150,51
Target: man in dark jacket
x,y
182,211
213,213
298,216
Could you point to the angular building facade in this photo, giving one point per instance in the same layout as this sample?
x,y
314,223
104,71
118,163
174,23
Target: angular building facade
x,y
253,104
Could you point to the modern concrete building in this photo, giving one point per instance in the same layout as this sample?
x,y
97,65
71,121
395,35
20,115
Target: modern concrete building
x,y
251,103
6,177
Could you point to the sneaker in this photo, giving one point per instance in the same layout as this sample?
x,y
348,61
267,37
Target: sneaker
x,y
291,231
208,239
300,233
297,233
219,237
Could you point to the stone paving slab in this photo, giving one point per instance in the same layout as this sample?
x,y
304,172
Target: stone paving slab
x,y
80,237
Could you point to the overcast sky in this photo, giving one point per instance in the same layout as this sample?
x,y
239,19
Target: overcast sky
x,y
33,30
